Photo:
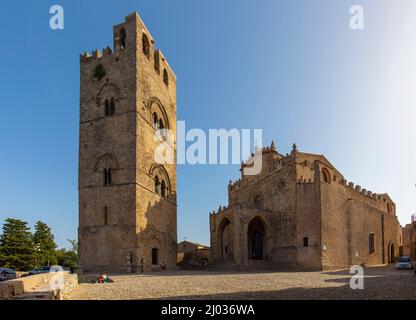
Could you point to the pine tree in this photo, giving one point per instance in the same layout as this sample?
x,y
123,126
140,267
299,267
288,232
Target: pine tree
x,y
68,258
45,245
2,259
16,245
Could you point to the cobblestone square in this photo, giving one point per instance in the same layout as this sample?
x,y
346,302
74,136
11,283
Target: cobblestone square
x,y
379,283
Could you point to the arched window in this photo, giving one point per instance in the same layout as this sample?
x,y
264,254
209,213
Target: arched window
x,y
146,46
105,215
155,257
107,108
256,236
157,185
326,175
165,77
155,121
163,188
371,243
157,63
389,207
122,38
108,176
258,201
161,125
112,107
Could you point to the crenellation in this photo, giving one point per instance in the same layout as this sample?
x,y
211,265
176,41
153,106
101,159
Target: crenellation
x,y
156,58
107,51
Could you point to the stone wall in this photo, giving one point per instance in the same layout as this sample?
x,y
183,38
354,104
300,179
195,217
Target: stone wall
x,y
409,240
43,285
120,224
313,218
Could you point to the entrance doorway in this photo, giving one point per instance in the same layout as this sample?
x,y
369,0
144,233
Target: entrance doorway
x,y
155,257
255,236
391,253
226,240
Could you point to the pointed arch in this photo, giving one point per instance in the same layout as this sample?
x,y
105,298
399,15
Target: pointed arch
x,y
146,45
256,238
159,171
256,199
226,240
106,165
155,106
165,77
326,175
122,35
107,91
106,161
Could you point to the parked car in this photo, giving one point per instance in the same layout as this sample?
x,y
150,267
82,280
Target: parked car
x,y
7,274
45,269
404,262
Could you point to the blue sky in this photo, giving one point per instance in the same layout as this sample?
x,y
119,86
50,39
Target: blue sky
x,y
292,68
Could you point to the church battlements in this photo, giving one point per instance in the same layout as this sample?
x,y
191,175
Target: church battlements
x,y
312,168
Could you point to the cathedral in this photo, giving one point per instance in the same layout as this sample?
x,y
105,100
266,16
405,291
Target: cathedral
x,y
300,213
127,202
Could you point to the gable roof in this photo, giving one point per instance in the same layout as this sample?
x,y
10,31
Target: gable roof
x,y
201,246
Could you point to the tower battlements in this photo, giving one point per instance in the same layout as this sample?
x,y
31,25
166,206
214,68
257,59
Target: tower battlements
x,y
141,42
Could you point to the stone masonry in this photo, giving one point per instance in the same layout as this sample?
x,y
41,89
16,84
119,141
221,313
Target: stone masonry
x,y
127,202
301,213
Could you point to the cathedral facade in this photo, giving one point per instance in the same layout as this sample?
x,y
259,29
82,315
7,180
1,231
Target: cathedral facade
x,y
300,213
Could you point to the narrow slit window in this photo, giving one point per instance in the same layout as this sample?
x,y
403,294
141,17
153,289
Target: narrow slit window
x,y
371,243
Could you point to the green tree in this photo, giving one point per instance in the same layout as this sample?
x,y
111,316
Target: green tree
x,y
68,258
2,259
16,245
45,245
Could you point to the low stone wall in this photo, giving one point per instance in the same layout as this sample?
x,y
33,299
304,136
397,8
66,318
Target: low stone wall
x,y
39,284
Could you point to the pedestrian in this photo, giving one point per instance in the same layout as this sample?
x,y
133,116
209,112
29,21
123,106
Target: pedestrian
x,y
142,265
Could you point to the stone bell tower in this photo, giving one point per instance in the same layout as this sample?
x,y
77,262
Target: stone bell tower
x,y
127,201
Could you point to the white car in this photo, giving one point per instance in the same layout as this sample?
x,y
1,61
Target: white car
x,y
404,262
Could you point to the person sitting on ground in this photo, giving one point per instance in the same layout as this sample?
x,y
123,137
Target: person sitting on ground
x,y
163,265
101,278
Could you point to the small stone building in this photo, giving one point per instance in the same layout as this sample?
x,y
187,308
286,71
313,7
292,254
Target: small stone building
x,y
409,238
192,254
299,212
127,200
